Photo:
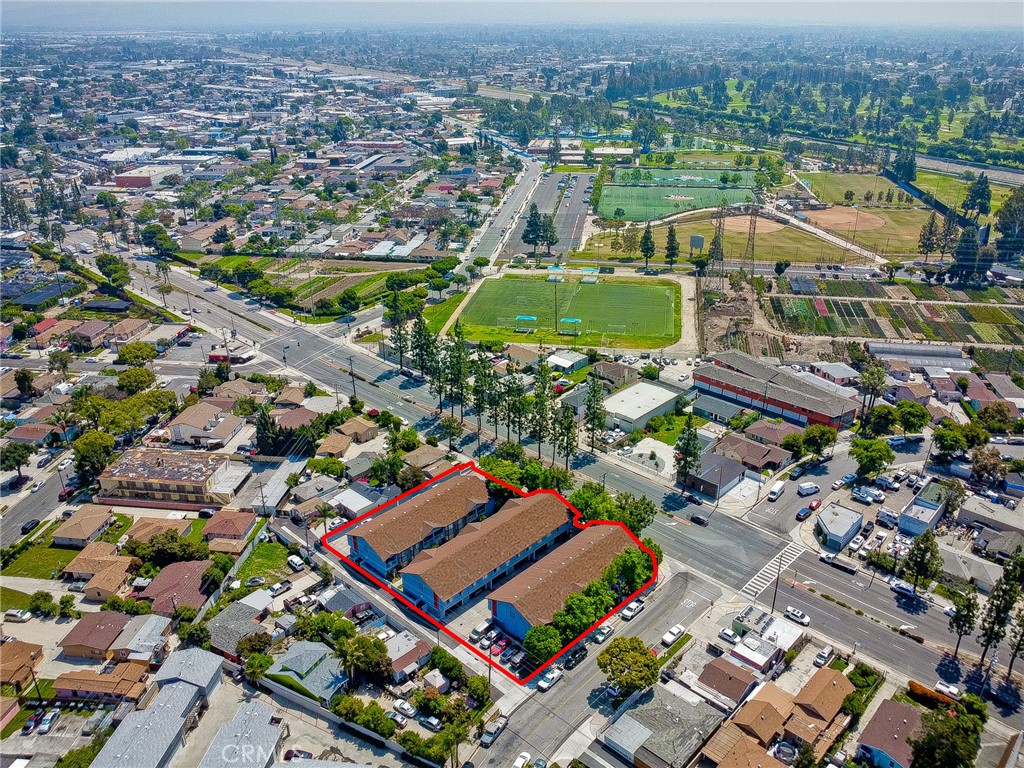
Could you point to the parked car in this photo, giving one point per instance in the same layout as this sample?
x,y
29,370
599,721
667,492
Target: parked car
x,y
795,614
838,484
603,633
49,720
29,525
551,676
857,543
431,724
17,615
632,610
407,709
29,726
255,581
297,754
575,656
949,690
672,635
206,513
803,514
38,485
729,636
499,646
815,503
279,588
489,639
400,720
522,761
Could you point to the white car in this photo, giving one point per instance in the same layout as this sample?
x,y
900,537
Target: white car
x,y
729,636
522,761
549,678
857,543
998,441
949,690
632,610
403,706
673,634
837,485
795,614
65,464
950,611
39,484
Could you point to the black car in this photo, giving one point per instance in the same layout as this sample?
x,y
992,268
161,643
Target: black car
x,y
698,519
44,461
575,656
694,499
206,513
29,525
869,526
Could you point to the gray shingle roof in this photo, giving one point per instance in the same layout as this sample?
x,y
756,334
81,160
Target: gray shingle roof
x,y
149,737
249,732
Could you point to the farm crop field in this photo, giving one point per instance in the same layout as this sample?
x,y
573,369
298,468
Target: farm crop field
x,y
827,316
623,313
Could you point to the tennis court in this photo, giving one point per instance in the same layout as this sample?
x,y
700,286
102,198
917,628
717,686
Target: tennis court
x,y
636,314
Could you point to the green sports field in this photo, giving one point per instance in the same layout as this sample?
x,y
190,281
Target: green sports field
x,y
687,177
613,313
654,202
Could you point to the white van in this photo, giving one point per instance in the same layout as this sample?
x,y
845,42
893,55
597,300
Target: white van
x,y
806,489
480,630
295,563
777,489
824,656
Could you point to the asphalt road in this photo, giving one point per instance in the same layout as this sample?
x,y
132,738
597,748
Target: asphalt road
x,y
546,198
34,505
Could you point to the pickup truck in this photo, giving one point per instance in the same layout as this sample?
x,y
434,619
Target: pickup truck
x,y
839,562
493,730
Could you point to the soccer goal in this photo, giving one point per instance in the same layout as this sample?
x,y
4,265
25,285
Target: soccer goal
x,y
526,323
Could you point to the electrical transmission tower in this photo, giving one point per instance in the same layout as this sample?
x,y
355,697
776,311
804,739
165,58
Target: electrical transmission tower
x,y
748,254
718,256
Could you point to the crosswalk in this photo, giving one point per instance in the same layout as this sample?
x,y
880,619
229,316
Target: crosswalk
x,y
767,575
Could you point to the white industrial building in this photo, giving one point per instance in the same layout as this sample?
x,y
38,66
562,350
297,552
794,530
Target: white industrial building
x,y
631,408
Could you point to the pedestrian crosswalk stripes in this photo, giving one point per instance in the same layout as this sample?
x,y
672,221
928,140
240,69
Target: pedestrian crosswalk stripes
x,y
766,575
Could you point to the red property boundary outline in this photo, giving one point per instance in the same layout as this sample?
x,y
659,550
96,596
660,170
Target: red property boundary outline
x,y
459,469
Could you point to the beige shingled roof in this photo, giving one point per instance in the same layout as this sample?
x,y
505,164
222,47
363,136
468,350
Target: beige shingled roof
x,y
823,694
482,547
541,589
409,522
84,523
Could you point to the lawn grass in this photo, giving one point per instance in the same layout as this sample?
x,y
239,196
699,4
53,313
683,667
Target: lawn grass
x,y
41,559
952,189
644,203
673,425
121,525
196,533
13,599
788,243
437,315
839,664
830,187
623,313
899,235
15,725
268,559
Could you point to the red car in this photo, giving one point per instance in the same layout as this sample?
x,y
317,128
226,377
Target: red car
x,y
815,503
67,493
499,646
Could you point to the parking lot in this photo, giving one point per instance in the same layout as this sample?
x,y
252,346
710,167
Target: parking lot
x,y
47,748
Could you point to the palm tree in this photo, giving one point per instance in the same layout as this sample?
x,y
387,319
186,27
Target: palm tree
x,y
63,418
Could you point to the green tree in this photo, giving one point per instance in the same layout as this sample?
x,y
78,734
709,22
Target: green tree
x,y
964,621
93,451
193,635
66,607
1016,641
1009,224
549,233
967,253
923,561
805,757
135,380
978,199
647,246
949,737
14,456
781,267
579,614
872,456
872,384
540,408
1001,600
671,247
256,666
628,571
595,416
533,232
928,241
450,429
949,235
42,604
136,354
818,437
913,416
541,643
60,362
23,379
629,664
565,433
794,443
423,346
687,451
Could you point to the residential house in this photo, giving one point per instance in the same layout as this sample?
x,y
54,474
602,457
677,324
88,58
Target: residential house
x,y
391,539
229,525
127,330
423,457
408,654
252,737
311,668
231,625
728,680
713,409
817,718
884,741
177,479
918,391
204,425
771,432
35,435
93,635
18,663
145,528
124,682
716,476
615,375
445,578
532,597
320,487
293,418
290,397
342,599
837,373
525,357
334,445
177,585
567,361
52,332
898,369
144,638
104,572
357,469
84,526
757,457
199,237
194,666
359,429
236,389
90,334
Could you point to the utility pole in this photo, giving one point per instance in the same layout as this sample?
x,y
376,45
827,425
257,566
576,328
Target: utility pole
x,y
778,578
352,373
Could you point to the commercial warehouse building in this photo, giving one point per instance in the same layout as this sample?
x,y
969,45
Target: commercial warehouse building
x,y
390,540
531,598
741,378
446,578
631,408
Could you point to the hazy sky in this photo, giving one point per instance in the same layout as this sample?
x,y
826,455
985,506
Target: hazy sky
x,y
246,15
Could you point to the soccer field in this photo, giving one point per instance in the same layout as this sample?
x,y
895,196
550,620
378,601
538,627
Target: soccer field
x,y
615,313
654,202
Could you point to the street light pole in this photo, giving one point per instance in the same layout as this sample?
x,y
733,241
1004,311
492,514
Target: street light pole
x,y
778,578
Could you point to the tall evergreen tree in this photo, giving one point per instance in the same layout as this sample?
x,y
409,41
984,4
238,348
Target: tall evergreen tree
x,y
949,235
533,232
540,408
595,416
549,232
565,433
399,330
716,251
964,621
458,368
928,241
1009,223
978,200
671,247
438,376
687,450
647,245
483,387
423,345
966,254
1001,600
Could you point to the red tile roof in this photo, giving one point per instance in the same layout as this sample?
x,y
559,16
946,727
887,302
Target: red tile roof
x,y
176,585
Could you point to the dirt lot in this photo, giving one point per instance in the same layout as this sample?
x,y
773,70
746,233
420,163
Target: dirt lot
x,y
742,224
839,218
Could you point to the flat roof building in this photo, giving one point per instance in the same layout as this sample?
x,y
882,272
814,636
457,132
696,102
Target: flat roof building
x,y
631,408
442,579
839,525
531,598
173,478
252,737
